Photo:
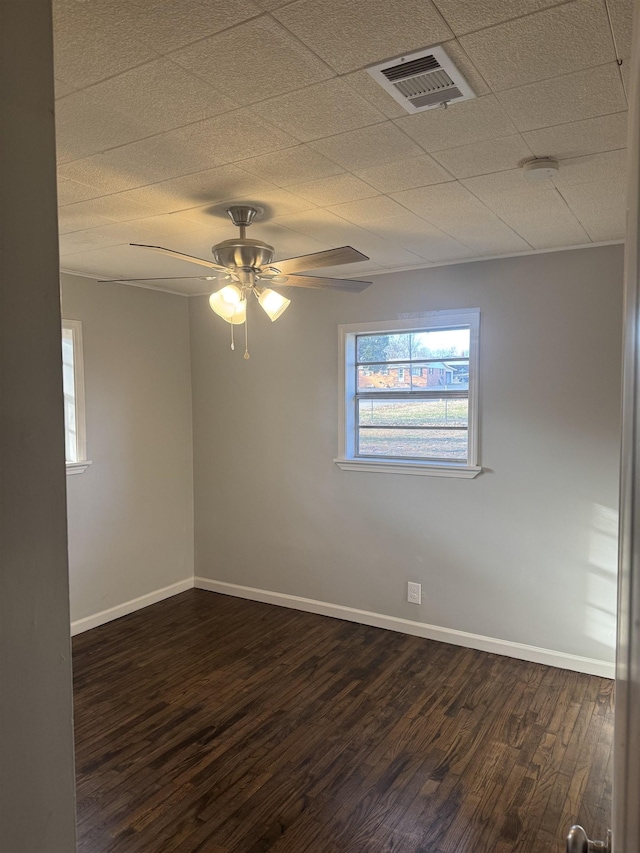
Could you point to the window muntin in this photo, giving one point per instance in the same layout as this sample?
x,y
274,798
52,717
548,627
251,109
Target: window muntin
x,y
409,395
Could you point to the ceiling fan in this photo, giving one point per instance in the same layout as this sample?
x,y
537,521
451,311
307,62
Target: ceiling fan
x,y
247,265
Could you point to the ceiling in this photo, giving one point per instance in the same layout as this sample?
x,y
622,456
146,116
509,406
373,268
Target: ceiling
x,y
169,109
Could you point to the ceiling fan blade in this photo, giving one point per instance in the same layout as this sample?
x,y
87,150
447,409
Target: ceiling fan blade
x,y
179,255
160,278
329,258
353,285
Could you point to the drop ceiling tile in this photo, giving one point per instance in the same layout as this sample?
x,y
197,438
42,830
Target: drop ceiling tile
x,y
414,234
591,136
460,124
161,95
63,89
601,208
210,187
253,61
543,231
111,207
505,192
91,43
481,158
104,236
84,127
194,148
368,146
466,67
625,72
549,43
69,220
453,209
324,109
172,225
122,168
139,103
199,239
165,25
72,191
368,209
274,203
327,228
443,205
364,85
84,241
333,190
466,17
573,97
270,5
622,21
609,167
290,166
351,36
405,174
491,237
225,139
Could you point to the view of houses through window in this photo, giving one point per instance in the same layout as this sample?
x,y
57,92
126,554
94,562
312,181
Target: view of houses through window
x,y
412,394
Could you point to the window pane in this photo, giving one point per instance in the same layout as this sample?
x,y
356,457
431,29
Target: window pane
x,y
444,375
440,344
384,347
413,443
416,413
378,377
68,386
452,375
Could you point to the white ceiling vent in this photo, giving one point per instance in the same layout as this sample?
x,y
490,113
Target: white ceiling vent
x,y
422,80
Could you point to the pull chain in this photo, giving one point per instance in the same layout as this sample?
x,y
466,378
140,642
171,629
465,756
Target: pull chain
x,y
246,339
233,346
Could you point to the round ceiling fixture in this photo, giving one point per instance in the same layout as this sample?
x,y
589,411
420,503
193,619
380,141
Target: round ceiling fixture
x,y
540,168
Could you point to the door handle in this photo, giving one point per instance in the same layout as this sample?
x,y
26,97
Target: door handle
x,y
577,842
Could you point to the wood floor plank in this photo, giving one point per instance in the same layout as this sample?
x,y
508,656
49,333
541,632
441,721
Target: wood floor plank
x,y
209,724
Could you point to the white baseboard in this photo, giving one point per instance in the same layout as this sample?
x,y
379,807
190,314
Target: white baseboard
x,y
534,654
127,607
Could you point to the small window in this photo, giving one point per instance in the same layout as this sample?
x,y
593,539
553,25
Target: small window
x,y
73,389
409,395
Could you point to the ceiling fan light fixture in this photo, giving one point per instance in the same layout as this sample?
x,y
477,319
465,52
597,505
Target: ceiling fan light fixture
x,y
225,302
273,304
239,315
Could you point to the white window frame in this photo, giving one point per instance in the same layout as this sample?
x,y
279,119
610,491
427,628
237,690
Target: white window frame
x,y
81,463
430,321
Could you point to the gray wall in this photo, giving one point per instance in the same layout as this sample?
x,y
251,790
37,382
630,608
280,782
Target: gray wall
x,y
36,737
524,553
131,512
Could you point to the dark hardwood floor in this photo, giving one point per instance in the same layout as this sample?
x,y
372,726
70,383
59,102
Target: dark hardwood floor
x,y
208,723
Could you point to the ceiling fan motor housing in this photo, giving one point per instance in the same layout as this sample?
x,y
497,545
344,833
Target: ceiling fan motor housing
x,y
243,254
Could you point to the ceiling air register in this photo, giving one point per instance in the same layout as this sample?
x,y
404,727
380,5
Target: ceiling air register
x,y
422,80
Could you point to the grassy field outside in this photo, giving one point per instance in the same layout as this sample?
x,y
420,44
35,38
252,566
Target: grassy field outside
x,y
388,438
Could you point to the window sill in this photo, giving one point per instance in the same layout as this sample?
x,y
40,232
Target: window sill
x,y
77,467
424,469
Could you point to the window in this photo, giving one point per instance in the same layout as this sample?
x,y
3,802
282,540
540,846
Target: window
x,y
409,395
73,388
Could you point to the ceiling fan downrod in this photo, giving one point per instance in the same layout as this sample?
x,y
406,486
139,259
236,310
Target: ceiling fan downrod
x,y
242,215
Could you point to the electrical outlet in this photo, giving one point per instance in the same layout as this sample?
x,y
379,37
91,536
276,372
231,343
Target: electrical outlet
x,y
414,593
